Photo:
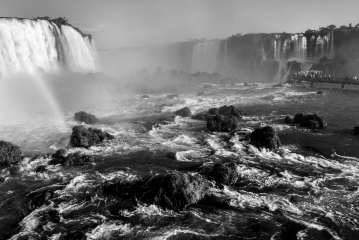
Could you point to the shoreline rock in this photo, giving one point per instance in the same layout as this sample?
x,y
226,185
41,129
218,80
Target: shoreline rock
x,y
221,123
223,173
85,117
266,137
184,112
173,190
82,137
9,154
311,121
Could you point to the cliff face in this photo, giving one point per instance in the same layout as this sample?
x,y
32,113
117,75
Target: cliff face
x,y
259,57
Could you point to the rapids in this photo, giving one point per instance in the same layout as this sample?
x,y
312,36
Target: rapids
x,y
309,190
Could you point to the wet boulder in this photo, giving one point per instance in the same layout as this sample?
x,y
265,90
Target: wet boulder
x,y
145,96
73,159
227,111
173,95
310,124
265,137
288,120
308,121
356,130
85,117
230,110
223,173
77,159
200,93
173,190
213,111
202,116
222,123
184,112
83,137
245,84
320,92
9,154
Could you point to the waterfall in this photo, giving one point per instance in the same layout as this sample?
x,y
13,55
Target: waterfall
x,y
225,52
331,52
300,47
277,49
319,47
205,57
28,46
282,73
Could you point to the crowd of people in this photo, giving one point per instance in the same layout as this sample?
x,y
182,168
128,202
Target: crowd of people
x,y
318,75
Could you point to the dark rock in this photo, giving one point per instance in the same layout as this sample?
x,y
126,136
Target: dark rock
x,y
308,121
288,120
102,135
174,95
245,84
9,153
77,159
56,161
41,169
60,153
227,111
310,124
213,111
265,137
202,116
82,137
200,94
85,117
184,112
356,130
174,190
39,199
298,118
225,173
145,96
230,110
278,85
222,123
320,92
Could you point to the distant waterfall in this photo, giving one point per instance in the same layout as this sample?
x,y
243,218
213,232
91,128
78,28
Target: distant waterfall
x,y
331,45
205,57
32,45
291,47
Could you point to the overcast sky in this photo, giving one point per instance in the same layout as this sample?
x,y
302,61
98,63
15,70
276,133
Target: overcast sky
x,y
121,23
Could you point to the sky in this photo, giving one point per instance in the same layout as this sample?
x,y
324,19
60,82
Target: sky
x,y
131,23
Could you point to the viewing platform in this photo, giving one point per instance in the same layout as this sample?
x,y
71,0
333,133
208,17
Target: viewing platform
x,y
320,79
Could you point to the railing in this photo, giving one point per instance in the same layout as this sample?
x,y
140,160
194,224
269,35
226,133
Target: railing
x,y
337,80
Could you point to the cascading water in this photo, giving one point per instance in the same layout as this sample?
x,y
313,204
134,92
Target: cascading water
x,y
28,46
205,57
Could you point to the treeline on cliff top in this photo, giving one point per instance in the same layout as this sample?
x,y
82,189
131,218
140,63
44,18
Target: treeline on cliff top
x,y
63,21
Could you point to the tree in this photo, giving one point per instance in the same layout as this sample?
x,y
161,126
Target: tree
x,y
331,27
343,27
356,26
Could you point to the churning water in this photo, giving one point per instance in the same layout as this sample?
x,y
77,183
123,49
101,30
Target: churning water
x,y
307,191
